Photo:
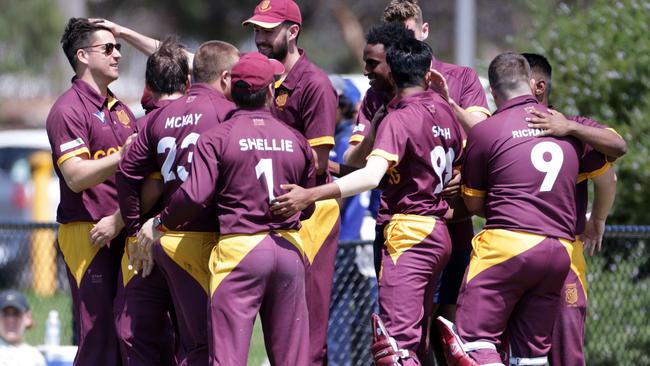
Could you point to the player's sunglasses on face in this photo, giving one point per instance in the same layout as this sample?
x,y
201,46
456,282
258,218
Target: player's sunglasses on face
x,y
108,47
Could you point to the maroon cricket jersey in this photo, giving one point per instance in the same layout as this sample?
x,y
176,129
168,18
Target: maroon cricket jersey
x,y
83,123
528,181
166,145
152,106
242,163
592,164
464,88
307,102
421,139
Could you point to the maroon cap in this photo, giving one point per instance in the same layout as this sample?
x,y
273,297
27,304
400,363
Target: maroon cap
x,y
256,70
271,13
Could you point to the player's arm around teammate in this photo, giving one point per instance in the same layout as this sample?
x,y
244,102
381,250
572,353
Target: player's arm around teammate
x,y
411,264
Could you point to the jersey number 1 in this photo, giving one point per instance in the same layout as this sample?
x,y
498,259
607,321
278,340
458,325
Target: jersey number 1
x,y
265,167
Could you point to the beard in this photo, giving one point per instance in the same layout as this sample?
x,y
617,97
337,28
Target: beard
x,y
278,52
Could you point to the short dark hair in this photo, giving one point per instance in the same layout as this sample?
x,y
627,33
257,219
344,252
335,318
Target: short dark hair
x,y
167,68
388,33
77,34
539,63
288,23
211,59
507,72
246,100
409,62
403,10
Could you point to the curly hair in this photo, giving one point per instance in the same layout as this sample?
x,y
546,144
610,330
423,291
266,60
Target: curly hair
x,y
402,10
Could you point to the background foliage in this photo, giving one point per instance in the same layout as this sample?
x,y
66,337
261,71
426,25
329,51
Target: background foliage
x,y
601,68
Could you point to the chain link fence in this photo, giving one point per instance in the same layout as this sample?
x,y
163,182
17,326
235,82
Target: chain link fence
x,y
618,326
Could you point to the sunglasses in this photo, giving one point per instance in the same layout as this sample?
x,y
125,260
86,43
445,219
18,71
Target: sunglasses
x,y
108,47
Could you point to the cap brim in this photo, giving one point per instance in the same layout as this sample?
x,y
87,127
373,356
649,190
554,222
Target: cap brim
x,y
14,304
263,21
278,67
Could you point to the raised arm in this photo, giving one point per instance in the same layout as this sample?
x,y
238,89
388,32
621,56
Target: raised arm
x,y
144,44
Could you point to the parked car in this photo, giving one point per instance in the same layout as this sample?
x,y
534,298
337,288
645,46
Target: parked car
x,y
16,192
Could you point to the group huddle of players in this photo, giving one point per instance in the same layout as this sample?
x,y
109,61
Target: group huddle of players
x,y
179,228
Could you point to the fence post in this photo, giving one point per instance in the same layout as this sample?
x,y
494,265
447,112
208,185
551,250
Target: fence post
x,y
43,250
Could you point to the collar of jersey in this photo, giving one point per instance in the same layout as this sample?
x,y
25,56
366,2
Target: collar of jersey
x,y
517,101
91,95
294,75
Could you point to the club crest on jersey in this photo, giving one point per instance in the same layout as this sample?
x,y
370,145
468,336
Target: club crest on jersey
x,y
265,5
100,116
123,117
281,99
571,294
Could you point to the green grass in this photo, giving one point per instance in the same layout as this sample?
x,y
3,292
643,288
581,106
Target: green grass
x,y
62,303
41,307
257,353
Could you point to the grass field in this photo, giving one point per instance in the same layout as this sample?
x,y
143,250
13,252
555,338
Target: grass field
x,y
61,302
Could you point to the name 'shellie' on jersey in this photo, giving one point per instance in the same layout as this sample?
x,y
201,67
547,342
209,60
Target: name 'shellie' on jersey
x,y
184,120
264,144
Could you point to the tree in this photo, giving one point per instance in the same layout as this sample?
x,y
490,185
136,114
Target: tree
x,y
29,32
601,69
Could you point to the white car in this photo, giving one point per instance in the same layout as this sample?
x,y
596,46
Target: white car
x,y
16,188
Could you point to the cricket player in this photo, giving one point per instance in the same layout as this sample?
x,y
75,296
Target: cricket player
x,y
143,305
257,265
525,187
417,144
606,145
305,100
89,129
167,146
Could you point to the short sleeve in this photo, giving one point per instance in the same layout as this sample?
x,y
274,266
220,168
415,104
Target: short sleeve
x,y
592,164
475,168
391,140
68,133
318,112
473,96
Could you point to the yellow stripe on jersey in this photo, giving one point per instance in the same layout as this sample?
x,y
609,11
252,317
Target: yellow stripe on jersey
x,y
111,102
495,246
78,251
73,153
278,83
356,138
325,140
293,237
476,108
190,250
578,263
471,192
228,253
403,232
126,274
155,175
613,130
393,159
593,174
316,229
